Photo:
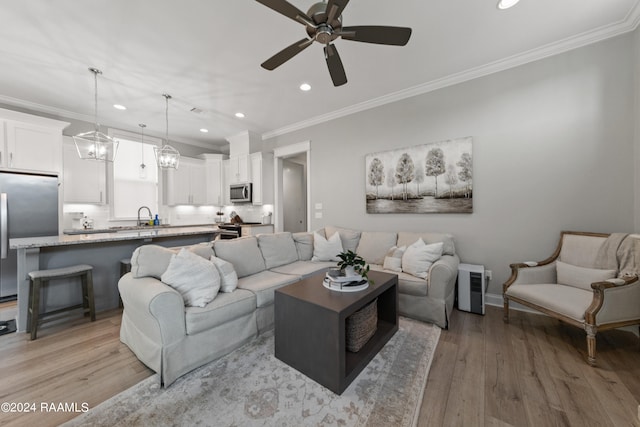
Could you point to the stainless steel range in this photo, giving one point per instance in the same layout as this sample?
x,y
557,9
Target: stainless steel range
x,y
233,230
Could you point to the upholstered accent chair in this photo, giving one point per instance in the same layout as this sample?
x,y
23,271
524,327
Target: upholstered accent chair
x,y
590,282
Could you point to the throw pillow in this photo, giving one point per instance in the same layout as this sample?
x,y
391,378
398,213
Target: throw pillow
x,y
150,261
349,238
581,277
228,275
393,260
196,278
326,249
418,257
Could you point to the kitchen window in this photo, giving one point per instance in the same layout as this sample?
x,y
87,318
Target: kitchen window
x,y
131,189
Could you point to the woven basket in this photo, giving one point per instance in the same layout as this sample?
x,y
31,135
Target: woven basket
x,y
361,326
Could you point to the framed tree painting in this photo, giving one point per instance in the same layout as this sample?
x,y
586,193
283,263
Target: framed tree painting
x,y
428,178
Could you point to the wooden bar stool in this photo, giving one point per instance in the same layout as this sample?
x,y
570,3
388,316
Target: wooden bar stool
x,y
39,279
125,267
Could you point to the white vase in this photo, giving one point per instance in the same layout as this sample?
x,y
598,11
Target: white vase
x,y
350,270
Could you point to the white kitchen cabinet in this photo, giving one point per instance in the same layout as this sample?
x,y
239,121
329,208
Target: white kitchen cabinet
x,y
239,169
214,179
262,178
30,142
225,182
84,181
187,184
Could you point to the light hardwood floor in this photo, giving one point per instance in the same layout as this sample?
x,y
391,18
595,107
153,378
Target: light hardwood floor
x,y
530,372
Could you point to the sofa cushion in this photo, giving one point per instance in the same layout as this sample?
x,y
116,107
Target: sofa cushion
x,y
326,249
567,300
226,307
580,250
374,245
205,249
304,269
264,284
150,261
406,238
196,278
304,245
277,249
393,260
581,277
418,257
349,238
228,275
243,253
407,283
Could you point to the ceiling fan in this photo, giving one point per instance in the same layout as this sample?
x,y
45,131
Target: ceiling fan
x,y
323,23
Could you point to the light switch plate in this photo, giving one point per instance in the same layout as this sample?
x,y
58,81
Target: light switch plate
x,y
318,205
318,215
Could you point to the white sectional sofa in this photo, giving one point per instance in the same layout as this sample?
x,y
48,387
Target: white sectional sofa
x,y
172,339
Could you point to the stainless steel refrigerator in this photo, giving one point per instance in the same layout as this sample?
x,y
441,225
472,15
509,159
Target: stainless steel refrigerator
x,y
28,208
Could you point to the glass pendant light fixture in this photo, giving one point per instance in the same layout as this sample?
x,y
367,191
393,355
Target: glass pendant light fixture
x,y
95,144
167,157
142,172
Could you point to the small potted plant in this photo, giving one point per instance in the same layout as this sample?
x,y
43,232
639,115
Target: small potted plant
x,y
352,263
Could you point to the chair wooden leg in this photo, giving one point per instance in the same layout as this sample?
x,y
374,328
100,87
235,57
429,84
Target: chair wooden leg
x,y
591,330
505,316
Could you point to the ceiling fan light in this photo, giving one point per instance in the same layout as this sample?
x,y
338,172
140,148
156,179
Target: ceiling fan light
x,y
506,4
305,87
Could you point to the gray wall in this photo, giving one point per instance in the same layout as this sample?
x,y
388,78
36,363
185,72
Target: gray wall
x,y
553,147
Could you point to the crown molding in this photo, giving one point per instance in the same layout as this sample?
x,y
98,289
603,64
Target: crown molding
x,y
64,114
628,24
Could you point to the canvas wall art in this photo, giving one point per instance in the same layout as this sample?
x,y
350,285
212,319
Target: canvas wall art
x,y
428,178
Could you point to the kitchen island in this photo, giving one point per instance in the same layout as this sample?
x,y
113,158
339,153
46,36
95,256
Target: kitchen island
x,y
101,250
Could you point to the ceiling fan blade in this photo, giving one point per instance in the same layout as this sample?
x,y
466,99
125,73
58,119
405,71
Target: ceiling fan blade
x,y
286,54
334,63
396,36
335,8
287,9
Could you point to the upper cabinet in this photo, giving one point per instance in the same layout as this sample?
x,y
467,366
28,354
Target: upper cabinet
x,y
247,163
214,179
186,185
84,180
30,142
239,167
262,178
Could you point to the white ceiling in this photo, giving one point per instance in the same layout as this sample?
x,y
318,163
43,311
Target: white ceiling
x,y
207,55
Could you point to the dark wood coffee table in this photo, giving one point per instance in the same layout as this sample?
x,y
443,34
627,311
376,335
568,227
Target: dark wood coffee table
x,y
310,327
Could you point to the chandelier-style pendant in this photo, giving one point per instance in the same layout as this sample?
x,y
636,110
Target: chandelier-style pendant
x,y
96,145
167,157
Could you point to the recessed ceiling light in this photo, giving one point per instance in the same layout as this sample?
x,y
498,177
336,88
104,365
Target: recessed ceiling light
x,y
119,107
240,115
506,4
203,130
305,87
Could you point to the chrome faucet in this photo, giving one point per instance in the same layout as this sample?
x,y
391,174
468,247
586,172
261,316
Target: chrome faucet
x,y
150,215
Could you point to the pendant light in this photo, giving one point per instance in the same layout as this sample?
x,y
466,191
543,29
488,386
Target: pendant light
x,y
167,156
142,172
96,145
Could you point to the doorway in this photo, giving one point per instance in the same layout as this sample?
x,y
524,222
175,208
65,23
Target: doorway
x,y
292,194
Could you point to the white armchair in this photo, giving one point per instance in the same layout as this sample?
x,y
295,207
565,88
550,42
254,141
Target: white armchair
x,y
588,282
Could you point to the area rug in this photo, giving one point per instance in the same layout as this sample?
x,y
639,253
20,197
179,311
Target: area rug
x,y
250,387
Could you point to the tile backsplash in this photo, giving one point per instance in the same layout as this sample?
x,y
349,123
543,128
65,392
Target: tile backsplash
x,y
173,215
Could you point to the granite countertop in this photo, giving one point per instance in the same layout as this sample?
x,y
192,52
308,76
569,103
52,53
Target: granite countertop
x,y
134,233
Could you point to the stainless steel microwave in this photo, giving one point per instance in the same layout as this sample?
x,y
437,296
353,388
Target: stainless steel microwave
x,y
240,193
